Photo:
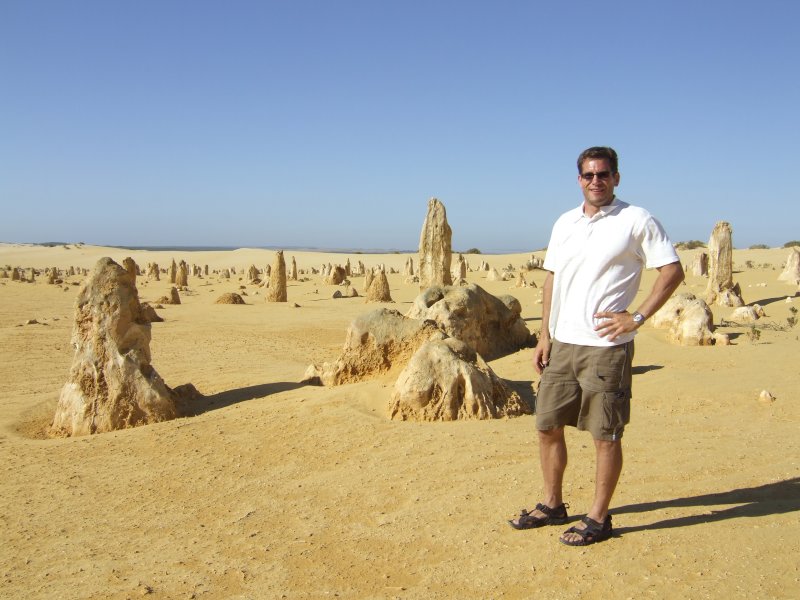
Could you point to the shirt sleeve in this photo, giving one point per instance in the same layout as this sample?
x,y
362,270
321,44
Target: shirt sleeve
x,y
656,245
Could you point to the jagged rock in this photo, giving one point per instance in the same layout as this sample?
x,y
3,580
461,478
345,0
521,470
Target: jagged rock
x,y
699,266
253,274
378,290
182,276
112,384
521,281
495,275
153,272
375,341
791,273
368,277
721,289
689,320
747,314
336,275
435,252
446,380
131,268
149,314
491,325
230,298
277,280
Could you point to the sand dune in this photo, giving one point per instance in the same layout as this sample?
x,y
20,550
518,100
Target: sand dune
x,y
274,489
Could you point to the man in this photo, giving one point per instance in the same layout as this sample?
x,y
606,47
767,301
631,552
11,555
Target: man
x,y
595,259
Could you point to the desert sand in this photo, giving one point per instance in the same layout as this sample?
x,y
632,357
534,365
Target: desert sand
x,y
280,490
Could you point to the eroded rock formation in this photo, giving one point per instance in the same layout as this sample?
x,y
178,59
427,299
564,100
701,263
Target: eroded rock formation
x,y
721,290
111,384
277,280
435,252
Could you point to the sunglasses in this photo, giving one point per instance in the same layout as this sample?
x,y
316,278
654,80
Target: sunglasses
x,y
600,175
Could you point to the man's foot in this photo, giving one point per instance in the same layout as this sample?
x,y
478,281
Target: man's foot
x,y
588,531
540,516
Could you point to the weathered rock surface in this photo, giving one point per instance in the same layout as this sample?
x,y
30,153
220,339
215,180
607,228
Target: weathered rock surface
x,y
112,384
721,289
375,341
230,298
689,321
378,290
699,266
277,280
446,380
435,253
491,325
791,273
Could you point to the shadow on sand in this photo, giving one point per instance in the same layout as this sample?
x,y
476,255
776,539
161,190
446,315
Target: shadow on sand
x,y
223,399
642,369
776,498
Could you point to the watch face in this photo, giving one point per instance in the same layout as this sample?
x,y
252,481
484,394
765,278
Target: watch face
x,y
638,318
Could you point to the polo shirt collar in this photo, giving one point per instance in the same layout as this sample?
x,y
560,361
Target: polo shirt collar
x,y
603,211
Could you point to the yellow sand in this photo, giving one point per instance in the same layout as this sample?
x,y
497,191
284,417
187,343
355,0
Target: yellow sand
x,y
281,490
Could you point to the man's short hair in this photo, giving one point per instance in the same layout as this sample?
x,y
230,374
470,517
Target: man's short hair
x,y
599,152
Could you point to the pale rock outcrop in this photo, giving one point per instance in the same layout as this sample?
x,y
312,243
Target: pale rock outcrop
x,y
293,270
378,290
182,276
689,321
149,314
230,298
173,272
348,269
747,314
766,397
435,251
153,272
112,384
521,282
460,270
408,267
368,277
721,290
173,298
15,274
277,280
791,273
131,268
446,380
491,325
495,275
699,266
336,275
253,275
375,342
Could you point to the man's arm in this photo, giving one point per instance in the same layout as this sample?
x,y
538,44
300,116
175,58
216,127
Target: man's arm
x,y
541,356
669,278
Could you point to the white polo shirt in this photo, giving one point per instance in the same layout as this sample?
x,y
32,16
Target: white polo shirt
x,y
597,265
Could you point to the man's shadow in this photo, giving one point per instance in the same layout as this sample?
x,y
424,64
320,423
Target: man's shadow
x,y
770,499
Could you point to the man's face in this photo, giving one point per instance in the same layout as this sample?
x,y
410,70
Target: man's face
x,y
597,183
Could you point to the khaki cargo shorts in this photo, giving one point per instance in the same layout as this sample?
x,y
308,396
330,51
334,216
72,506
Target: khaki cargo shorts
x,y
588,387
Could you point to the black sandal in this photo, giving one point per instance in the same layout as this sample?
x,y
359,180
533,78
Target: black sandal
x,y
593,532
553,516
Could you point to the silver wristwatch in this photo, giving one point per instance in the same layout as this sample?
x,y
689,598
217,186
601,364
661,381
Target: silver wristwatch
x,y
638,318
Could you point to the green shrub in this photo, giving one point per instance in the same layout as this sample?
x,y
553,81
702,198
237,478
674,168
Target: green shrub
x,y
791,244
759,247
472,251
690,245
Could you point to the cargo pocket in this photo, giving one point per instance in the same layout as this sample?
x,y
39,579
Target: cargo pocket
x,y
608,374
616,410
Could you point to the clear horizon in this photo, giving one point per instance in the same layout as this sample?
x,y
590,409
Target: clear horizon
x,y
316,124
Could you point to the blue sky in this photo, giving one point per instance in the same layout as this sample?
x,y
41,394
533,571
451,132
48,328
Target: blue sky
x,y
331,123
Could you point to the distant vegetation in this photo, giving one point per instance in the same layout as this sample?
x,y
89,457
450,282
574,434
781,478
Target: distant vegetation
x,y
759,247
791,244
690,245
472,251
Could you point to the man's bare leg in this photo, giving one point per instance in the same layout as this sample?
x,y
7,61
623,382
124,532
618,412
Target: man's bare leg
x,y
553,460
609,467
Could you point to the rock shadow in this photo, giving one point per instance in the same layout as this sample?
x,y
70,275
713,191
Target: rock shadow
x,y
768,301
777,498
525,390
204,404
642,369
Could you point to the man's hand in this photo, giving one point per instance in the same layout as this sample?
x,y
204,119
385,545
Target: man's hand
x,y
615,324
541,355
